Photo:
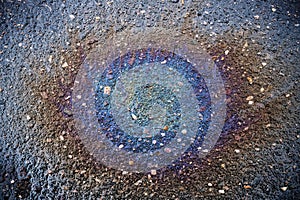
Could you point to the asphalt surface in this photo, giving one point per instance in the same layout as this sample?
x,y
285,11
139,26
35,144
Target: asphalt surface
x,y
255,45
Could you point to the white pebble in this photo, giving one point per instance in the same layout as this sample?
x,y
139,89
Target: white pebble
x,y
72,17
256,16
221,191
264,63
284,188
205,150
50,59
153,172
65,65
134,117
251,102
226,52
121,146
249,98
209,184
184,131
237,151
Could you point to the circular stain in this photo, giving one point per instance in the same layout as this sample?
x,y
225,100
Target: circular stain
x,y
150,110
143,109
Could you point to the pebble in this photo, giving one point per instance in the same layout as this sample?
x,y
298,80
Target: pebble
x,y
107,90
65,65
121,146
68,112
28,117
134,117
237,151
184,131
61,138
72,17
249,98
250,80
221,191
97,18
262,89
50,59
130,162
251,102
226,52
97,180
284,188
153,172
256,16
273,9
247,186
263,63
167,150
209,184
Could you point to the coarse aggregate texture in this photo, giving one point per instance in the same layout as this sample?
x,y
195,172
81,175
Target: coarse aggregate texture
x,y
255,44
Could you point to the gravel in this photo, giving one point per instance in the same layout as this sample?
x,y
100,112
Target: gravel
x,y
255,45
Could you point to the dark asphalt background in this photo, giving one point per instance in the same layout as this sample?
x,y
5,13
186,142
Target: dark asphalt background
x,y
43,44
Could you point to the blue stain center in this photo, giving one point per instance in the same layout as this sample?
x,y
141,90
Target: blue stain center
x,y
146,97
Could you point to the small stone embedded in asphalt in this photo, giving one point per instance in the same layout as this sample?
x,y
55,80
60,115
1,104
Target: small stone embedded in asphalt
x,y
222,191
68,112
72,17
107,90
284,188
249,98
64,65
237,151
153,172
